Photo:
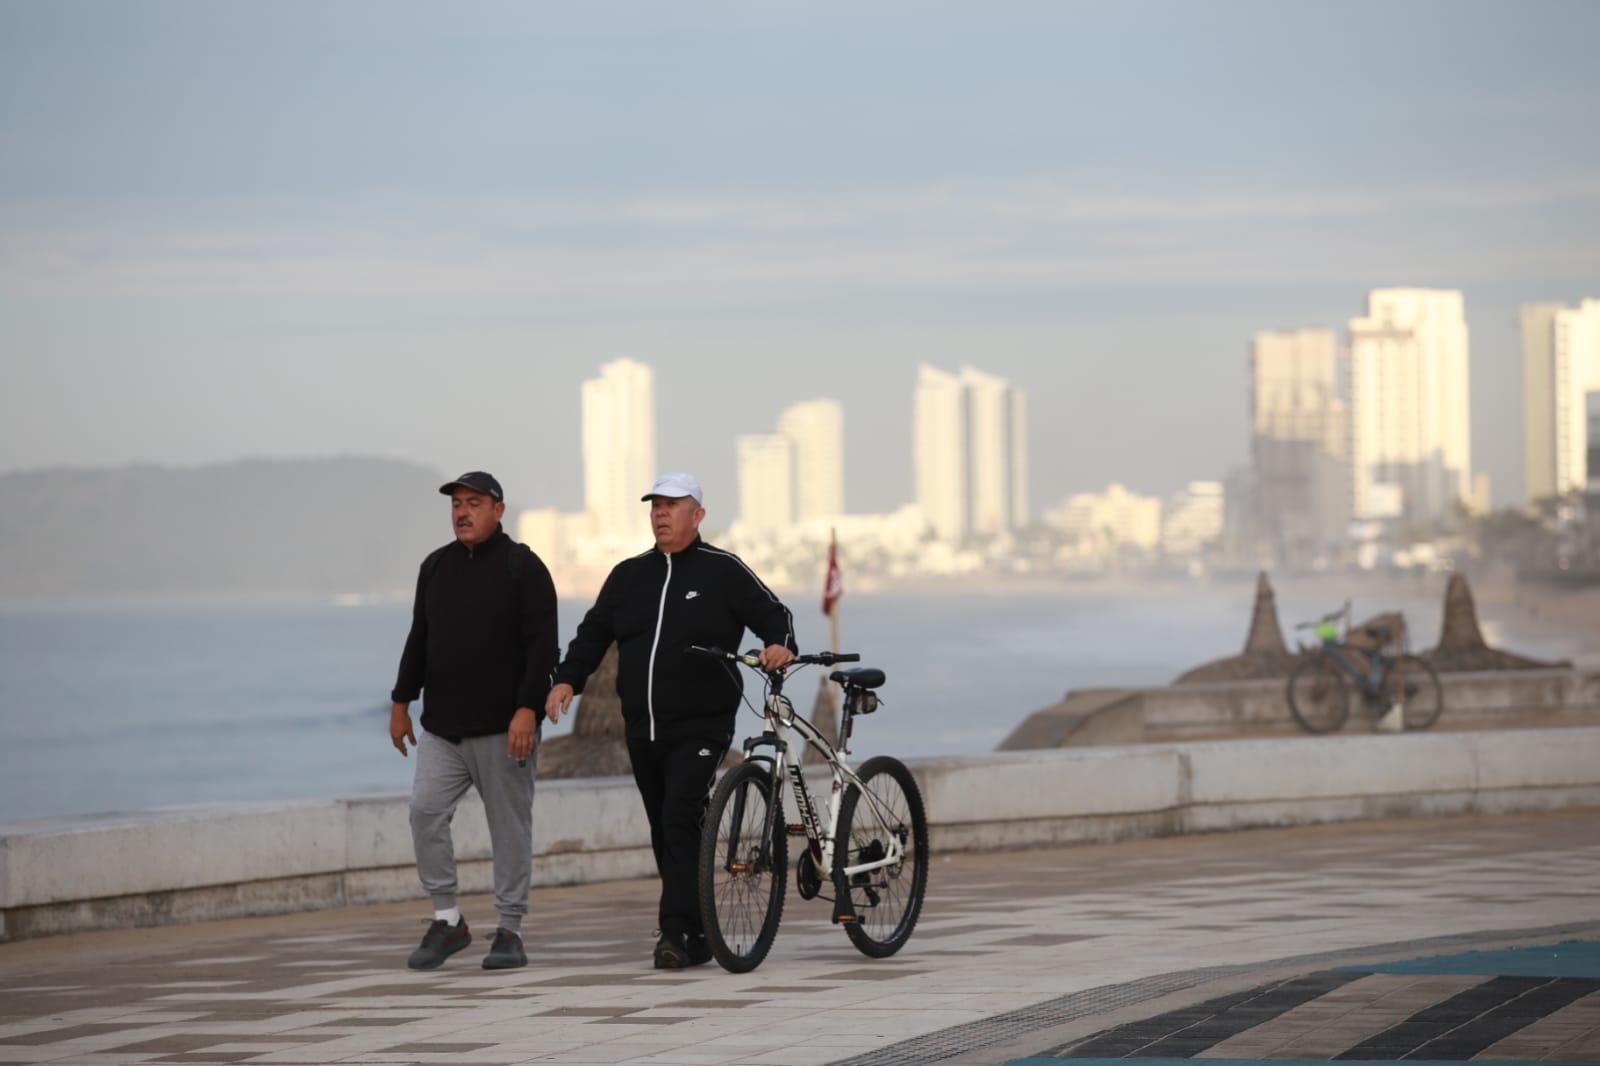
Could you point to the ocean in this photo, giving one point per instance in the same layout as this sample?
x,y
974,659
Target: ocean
x,y
118,708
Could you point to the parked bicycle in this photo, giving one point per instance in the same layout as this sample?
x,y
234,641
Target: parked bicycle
x,y
870,850
1319,687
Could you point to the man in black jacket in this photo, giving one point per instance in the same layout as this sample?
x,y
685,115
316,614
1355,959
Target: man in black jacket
x,y
678,709
482,647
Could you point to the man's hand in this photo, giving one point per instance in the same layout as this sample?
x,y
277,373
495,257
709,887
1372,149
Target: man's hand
x,y
400,727
556,705
522,735
775,657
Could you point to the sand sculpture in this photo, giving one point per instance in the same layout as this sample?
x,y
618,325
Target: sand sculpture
x,y
1461,642
596,747
1265,654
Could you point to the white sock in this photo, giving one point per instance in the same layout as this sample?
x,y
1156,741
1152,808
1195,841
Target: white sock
x,y
450,917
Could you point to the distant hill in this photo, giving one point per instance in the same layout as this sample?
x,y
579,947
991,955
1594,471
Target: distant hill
x,y
253,529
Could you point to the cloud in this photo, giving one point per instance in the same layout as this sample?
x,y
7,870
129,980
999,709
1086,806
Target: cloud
x,y
713,250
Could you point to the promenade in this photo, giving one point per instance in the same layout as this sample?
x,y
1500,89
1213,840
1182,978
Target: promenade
x,y
1290,944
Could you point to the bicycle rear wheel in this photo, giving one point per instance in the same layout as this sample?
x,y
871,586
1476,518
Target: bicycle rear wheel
x,y
1413,684
1319,699
742,869
886,901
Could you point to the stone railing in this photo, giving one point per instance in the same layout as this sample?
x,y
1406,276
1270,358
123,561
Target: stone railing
x,y
66,874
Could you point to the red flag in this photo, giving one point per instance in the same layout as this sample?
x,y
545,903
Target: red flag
x,y
833,586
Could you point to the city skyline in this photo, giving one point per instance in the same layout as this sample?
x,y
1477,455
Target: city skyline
x,y
229,231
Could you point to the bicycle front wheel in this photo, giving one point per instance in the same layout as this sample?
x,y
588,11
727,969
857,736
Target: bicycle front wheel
x,y
1413,685
1319,699
742,868
886,809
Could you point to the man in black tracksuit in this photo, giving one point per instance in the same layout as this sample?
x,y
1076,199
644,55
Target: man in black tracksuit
x,y
679,709
481,649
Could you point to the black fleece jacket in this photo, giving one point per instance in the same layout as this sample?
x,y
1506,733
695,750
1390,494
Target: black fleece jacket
x,y
654,606
483,638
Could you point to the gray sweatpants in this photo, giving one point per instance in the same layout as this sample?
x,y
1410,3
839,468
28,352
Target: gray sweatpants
x,y
444,773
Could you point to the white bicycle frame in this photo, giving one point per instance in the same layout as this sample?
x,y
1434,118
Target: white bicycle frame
x,y
782,721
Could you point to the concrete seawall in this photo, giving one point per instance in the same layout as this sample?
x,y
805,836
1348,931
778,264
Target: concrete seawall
x,y
174,865
1499,699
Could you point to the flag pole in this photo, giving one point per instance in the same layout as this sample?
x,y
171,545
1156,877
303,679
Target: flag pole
x,y
833,612
826,714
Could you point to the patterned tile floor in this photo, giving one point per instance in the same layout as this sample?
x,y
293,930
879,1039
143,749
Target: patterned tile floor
x,y
1028,953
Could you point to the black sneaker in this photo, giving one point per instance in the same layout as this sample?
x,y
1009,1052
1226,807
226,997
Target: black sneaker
x,y
671,952
699,949
441,941
506,952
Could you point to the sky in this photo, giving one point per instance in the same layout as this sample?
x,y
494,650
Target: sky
x,y
237,230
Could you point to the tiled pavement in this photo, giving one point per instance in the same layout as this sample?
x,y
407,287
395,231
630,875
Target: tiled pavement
x,y
1277,943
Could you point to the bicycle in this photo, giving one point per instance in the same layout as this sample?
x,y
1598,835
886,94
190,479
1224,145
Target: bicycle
x,y
872,849
1319,692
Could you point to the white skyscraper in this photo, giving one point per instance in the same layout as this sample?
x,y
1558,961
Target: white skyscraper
x,y
1539,400
969,448
997,455
1300,440
619,447
817,429
938,451
1410,401
1560,366
766,481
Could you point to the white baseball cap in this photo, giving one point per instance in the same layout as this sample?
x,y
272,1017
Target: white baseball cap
x,y
675,484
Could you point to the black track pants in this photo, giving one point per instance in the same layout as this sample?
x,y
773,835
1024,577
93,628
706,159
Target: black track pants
x,y
675,779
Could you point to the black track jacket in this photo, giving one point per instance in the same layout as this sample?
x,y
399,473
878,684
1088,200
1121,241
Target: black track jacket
x,y
483,638
654,606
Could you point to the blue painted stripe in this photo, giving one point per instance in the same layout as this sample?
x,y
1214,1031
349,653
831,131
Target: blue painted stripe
x,y
1571,958
1273,1062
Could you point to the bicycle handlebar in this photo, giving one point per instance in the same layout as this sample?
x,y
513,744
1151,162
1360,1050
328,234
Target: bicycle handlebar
x,y
753,658
1325,619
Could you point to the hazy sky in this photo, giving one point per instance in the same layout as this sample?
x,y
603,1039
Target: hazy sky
x,y
280,229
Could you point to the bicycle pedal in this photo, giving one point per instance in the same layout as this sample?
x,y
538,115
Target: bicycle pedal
x,y
796,829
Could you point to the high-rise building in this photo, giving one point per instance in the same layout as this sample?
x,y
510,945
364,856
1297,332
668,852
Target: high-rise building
x,y
1300,441
1592,405
1560,367
1192,520
969,448
619,447
817,429
938,451
766,482
997,456
1112,519
1538,400
1411,404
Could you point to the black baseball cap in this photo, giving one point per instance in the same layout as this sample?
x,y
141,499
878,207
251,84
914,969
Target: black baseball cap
x,y
478,481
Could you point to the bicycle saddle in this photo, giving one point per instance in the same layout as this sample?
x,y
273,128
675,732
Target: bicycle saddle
x,y
860,677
